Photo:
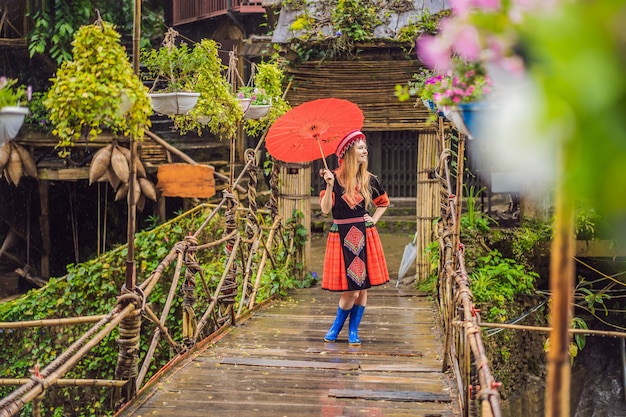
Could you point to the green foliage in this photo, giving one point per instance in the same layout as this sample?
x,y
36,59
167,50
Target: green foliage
x,y
37,118
10,94
97,90
497,281
355,19
586,221
584,290
92,288
473,220
530,240
56,22
269,78
201,70
577,61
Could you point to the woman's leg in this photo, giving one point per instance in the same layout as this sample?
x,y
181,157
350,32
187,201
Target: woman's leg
x,y
346,302
356,313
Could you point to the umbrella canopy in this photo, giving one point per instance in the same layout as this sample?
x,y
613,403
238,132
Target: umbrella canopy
x,y
312,130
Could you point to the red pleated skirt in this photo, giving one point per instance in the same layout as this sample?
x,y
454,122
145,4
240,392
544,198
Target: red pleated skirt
x,y
334,277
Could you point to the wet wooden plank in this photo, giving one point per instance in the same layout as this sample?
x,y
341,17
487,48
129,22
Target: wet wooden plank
x,y
389,395
271,363
277,364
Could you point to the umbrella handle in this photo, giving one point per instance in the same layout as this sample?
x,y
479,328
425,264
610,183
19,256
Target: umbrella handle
x,y
321,151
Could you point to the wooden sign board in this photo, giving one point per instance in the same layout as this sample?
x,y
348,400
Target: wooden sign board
x,y
185,180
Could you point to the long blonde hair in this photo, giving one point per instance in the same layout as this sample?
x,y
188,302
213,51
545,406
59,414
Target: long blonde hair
x,y
354,177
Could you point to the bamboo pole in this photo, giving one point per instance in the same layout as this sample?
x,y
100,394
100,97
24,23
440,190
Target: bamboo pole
x,y
51,322
562,277
11,404
166,309
209,309
68,382
605,333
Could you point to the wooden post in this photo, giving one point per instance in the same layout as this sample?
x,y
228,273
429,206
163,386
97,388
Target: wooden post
x,y
427,201
44,224
562,278
295,194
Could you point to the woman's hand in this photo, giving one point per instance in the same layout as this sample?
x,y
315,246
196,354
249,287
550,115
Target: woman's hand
x,y
368,218
328,176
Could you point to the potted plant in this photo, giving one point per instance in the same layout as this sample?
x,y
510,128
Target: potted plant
x,y
11,112
173,70
97,90
259,101
268,80
456,92
216,110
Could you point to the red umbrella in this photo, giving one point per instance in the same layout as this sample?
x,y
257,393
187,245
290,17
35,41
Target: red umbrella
x,y
312,130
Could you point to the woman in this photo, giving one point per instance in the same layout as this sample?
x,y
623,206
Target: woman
x,y
354,259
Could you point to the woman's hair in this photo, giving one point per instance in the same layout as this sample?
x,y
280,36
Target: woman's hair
x,y
354,177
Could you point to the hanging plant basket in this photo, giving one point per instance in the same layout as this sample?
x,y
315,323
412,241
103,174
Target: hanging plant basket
x,y
257,111
244,103
179,102
11,120
454,115
473,115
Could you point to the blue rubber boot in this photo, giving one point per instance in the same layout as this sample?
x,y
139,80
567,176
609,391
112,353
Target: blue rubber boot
x,y
355,319
340,319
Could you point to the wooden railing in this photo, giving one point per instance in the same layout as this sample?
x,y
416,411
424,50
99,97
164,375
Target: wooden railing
x,y
463,346
186,11
249,246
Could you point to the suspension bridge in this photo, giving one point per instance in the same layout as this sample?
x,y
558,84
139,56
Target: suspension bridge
x,y
230,354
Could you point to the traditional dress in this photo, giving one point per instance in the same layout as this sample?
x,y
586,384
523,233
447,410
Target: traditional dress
x,y
354,257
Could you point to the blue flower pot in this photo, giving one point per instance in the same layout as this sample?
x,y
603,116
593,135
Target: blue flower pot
x,y
474,116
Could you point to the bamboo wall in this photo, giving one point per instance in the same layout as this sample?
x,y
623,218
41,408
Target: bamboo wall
x,y
427,203
369,84
295,189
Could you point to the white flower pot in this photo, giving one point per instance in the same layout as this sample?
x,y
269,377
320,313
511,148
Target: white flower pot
x,y
11,120
244,103
256,111
179,102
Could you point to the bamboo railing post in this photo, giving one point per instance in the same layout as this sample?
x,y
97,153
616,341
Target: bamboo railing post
x,y
562,277
192,267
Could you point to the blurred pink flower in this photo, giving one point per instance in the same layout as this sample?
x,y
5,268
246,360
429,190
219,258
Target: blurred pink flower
x,y
467,43
434,53
464,7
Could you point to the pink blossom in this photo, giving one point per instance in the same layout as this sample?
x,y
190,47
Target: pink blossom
x,y
433,52
467,43
464,7
486,4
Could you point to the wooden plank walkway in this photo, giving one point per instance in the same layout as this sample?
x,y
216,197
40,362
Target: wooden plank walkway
x,y
276,364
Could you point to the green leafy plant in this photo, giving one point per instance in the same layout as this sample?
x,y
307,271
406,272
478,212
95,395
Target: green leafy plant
x,y
473,219
258,96
355,19
586,221
38,118
10,93
497,280
97,90
269,78
202,71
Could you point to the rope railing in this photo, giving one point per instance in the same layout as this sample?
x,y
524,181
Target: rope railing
x,y
247,247
463,346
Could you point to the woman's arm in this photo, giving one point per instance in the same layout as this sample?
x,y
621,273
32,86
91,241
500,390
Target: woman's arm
x,y
377,215
326,202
